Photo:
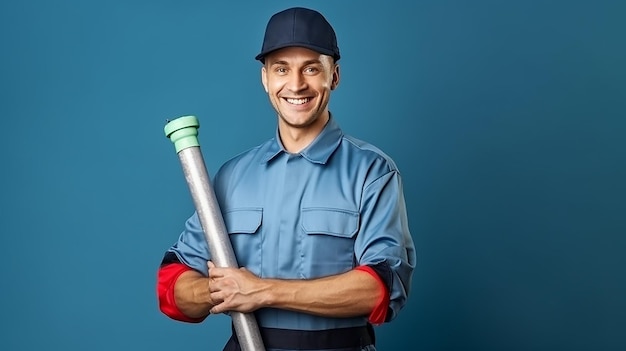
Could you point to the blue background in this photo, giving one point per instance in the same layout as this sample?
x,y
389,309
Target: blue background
x,y
506,119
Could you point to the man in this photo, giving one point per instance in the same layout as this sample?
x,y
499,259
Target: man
x,y
316,218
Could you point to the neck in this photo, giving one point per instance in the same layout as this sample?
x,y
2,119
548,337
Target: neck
x,y
295,139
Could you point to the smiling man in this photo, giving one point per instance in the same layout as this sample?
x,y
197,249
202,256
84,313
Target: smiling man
x,y
299,81
316,218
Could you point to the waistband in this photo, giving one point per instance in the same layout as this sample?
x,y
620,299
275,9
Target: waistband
x,y
287,339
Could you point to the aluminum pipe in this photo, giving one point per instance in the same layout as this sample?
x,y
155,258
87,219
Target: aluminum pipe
x,y
183,132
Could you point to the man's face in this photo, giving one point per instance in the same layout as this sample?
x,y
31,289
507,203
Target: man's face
x,y
298,82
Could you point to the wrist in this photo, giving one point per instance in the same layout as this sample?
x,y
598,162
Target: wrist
x,y
269,293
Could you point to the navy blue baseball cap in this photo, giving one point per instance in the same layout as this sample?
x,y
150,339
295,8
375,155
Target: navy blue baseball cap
x,y
302,27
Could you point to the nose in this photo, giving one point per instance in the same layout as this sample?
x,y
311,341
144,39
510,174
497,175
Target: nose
x,y
297,82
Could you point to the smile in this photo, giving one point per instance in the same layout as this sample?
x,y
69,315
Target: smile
x,y
298,101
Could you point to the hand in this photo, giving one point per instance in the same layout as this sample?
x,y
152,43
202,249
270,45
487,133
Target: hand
x,y
234,289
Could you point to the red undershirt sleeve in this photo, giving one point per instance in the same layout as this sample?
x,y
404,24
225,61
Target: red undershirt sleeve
x,y
167,276
379,313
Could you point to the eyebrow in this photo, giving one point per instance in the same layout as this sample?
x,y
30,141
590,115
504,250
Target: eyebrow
x,y
305,63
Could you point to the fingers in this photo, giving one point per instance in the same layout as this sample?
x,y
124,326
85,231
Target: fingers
x,y
214,271
220,304
216,310
213,285
217,297
219,309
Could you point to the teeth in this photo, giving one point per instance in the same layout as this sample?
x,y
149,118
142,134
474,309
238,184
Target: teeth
x,y
298,101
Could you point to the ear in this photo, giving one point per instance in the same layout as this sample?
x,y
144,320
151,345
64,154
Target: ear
x,y
336,76
264,78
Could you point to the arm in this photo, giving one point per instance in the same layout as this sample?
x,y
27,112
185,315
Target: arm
x,y
191,293
187,295
384,241
182,276
354,293
180,293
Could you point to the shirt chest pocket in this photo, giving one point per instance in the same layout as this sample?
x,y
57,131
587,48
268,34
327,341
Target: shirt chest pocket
x,y
328,243
243,226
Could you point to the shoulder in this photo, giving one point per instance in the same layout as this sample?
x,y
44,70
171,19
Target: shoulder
x,y
239,163
369,153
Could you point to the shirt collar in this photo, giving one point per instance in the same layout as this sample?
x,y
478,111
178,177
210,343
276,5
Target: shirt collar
x,y
318,151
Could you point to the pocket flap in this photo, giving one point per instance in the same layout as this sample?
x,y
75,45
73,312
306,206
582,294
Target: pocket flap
x,y
330,221
243,220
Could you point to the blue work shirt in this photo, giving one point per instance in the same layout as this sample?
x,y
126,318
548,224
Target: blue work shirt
x,y
335,205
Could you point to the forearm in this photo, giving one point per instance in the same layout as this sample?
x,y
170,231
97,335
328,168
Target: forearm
x,y
192,295
354,293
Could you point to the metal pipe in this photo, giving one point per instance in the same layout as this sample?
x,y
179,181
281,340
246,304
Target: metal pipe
x,y
183,132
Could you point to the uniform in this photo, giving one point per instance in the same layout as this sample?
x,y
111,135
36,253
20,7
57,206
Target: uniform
x,y
335,206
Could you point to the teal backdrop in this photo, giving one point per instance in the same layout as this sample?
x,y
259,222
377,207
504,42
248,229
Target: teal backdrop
x,y
506,119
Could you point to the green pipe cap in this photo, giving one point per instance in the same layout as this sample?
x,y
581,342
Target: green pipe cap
x,y
183,132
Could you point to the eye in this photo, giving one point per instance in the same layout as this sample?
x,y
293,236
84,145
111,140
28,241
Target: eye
x,y
281,70
311,70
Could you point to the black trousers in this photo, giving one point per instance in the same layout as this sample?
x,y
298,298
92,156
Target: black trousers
x,y
354,338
